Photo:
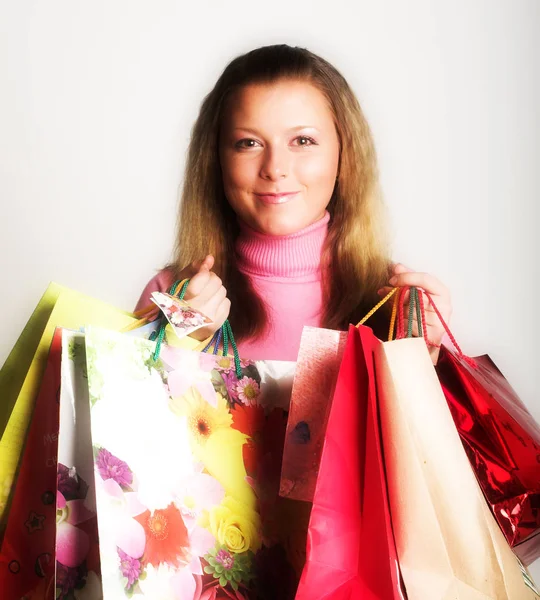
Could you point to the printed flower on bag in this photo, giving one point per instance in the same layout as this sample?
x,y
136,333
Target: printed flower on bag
x,y
248,391
118,518
250,420
234,525
196,493
72,543
225,364
202,418
166,583
229,568
166,537
68,578
231,384
111,467
189,373
215,443
70,484
130,568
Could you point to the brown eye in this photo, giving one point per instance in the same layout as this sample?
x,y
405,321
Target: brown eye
x,y
246,143
304,140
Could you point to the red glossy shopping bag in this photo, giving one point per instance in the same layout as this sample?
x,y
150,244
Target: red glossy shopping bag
x,y
351,551
502,441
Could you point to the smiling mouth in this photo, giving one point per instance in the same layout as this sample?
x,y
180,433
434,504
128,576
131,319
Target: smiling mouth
x,y
276,198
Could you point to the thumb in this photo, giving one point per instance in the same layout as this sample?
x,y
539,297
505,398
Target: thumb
x,y
207,264
201,265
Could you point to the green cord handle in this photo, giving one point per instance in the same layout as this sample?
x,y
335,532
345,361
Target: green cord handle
x,y
414,303
226,329
161,332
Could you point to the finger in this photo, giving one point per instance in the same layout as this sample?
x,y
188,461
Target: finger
x,y
223,312
212,285
398,268
427,282
210,306
203,285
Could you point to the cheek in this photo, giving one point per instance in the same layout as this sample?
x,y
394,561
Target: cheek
x,y
321,170
239,173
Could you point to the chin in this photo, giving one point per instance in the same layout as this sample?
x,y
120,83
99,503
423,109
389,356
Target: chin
x,y
281,226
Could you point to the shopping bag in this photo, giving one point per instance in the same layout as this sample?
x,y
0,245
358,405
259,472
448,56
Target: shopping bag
x,y
448,542
16,366
502,441
317,366
72,310
351,551
76,544
187,461
27,549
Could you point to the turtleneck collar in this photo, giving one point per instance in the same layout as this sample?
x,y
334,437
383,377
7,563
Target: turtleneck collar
x,y
282,257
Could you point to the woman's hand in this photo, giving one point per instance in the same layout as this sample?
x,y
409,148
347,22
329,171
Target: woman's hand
x,y
403,277
206,293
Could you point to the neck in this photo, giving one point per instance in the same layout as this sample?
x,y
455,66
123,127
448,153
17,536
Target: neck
x,y
293,256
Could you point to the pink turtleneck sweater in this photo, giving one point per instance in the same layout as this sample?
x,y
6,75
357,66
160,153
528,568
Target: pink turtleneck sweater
x,y
285,272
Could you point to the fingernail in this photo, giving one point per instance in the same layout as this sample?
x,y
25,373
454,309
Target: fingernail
x,y
380,292
393,281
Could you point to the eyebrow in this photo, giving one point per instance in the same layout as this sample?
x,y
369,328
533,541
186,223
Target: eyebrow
x,y
291,130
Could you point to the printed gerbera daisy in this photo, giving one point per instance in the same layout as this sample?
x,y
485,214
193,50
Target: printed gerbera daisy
x,y
202,418
167,539
248,391
225,364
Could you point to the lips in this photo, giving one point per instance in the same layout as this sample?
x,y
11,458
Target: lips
x,y
276,198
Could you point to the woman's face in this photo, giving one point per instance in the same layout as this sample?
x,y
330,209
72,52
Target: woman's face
x,y
279,138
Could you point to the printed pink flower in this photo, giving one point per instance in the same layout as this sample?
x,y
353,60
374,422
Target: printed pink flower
x,y
69,578
188,373
231,383
112,467
70,484
130,567
129,534
225,559
226,364
72,543
248,391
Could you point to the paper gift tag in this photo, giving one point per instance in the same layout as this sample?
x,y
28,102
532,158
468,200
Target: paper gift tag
x,y
182,317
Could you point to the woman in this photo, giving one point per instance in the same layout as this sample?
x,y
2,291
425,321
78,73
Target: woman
x,y
281,220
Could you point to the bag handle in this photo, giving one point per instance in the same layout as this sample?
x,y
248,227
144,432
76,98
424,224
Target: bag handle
x,y
178,289
416,301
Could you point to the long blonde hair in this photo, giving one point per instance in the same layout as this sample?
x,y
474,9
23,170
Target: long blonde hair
x,y
355,259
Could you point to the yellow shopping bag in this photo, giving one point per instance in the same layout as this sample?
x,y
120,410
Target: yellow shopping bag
x,y
18,362
21,375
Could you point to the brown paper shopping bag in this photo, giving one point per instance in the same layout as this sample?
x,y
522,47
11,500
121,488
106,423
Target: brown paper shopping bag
x,y
448,542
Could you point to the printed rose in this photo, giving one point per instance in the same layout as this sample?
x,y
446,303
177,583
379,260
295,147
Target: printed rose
x,y
234,525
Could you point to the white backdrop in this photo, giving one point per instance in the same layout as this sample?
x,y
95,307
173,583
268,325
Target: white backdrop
x,y
97,100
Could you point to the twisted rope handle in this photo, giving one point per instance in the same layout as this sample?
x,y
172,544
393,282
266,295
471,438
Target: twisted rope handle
x,y
416,302
225,331
394,311
160,334
421,318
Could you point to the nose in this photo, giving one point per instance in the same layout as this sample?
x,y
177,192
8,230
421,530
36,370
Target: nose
x,y
275,165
